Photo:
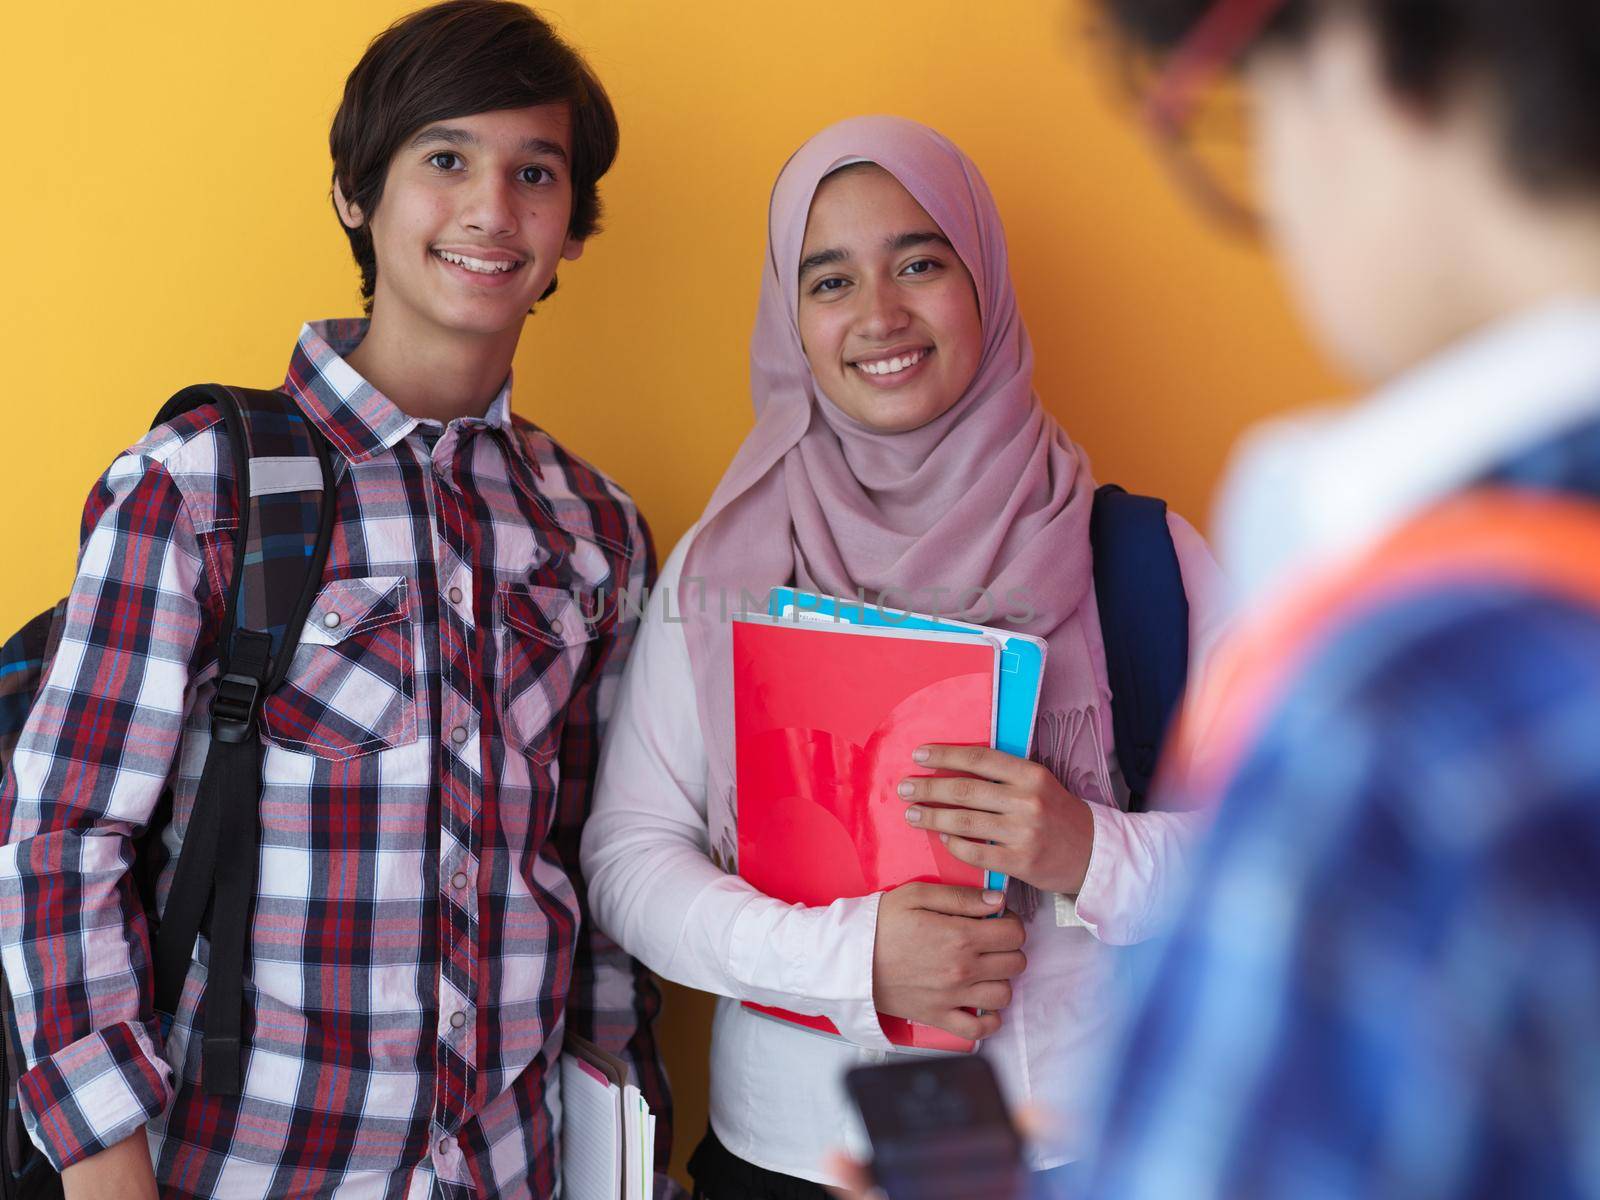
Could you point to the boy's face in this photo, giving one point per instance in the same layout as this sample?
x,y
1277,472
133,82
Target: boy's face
x,y
474,220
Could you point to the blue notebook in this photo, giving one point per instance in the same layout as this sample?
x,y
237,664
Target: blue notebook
x,y
1021,659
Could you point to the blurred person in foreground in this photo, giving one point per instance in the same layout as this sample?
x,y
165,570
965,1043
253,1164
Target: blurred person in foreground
x,y
1387,981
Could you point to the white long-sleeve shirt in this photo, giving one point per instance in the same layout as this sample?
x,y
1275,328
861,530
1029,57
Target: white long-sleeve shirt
x,y
777,1096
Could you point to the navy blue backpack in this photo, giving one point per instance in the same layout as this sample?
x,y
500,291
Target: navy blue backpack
x,y
1144,620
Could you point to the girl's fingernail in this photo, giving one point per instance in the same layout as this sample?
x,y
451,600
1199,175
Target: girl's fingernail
x,y
907,787
914,815
920,754
993,897
945,838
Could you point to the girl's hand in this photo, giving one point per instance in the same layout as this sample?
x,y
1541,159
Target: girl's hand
x,y
1042,833
941,951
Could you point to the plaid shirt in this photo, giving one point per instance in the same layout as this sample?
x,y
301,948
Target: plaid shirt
x,y
1388,980
420,934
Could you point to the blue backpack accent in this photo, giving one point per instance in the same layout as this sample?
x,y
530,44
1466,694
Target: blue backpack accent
x,y
1144,620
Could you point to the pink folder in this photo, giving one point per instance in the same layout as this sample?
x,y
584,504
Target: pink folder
x,y
826,718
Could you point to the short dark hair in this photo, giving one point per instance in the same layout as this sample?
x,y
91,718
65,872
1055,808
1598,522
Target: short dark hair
x,y
453,60
1542,57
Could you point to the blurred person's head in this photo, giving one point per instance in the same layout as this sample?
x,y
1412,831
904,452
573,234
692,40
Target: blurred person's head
x,y
1424,167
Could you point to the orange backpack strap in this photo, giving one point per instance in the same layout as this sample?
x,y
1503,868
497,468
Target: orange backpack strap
x,y
1546,542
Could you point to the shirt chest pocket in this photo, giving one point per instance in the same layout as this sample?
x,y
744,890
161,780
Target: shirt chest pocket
x,y
544,641
351,687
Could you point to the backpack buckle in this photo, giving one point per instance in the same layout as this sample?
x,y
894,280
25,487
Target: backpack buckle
x,y
233,708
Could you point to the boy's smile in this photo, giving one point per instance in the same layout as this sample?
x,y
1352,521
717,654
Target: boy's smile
x,y
491,264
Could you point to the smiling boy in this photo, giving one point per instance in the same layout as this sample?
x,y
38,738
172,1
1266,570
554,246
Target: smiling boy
x,y
420,937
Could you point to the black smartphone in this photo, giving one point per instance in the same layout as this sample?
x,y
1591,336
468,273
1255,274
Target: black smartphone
x,y
939,1129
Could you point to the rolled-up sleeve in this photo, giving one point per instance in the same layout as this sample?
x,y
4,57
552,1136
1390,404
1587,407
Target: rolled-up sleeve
x,y
90,766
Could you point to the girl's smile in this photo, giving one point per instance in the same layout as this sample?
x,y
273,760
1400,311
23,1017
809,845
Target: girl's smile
x,y
895,368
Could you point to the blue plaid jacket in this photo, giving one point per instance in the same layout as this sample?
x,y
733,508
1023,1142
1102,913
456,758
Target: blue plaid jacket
x,y
1387,982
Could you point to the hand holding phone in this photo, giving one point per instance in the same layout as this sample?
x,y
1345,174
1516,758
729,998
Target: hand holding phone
x,y
939,1130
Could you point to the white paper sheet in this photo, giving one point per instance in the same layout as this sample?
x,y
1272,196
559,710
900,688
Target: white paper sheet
x,y
591,1133
608,1134
639,1137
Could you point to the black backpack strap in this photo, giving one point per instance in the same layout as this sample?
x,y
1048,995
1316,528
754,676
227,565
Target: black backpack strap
x,y
1144,620
287,506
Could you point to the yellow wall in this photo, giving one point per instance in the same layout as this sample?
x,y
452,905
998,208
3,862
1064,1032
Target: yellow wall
x,y
166,221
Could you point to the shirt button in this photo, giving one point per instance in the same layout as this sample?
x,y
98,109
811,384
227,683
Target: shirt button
x,y
331,621
555,626
455,595
458,880
458,734
446,1145
457,1020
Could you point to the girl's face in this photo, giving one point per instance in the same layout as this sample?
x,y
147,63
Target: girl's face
x,y
888,311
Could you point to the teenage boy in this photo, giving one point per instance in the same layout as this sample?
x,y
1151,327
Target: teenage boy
x,y
419,934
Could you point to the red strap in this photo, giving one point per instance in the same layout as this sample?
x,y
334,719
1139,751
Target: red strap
x,y
1207,51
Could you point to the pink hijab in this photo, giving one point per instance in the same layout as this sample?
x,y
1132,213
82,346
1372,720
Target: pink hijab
x,y
993,494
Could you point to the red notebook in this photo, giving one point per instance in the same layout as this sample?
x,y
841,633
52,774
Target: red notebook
x,y
826,718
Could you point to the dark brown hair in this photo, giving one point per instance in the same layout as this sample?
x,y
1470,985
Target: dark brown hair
x,y
1540,57
453,60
